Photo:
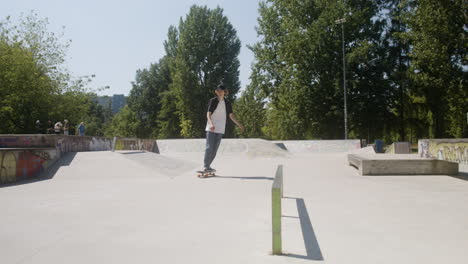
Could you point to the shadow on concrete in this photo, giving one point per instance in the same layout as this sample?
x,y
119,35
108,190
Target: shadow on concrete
x,y
282,146
310,240
290,216
129,153
244,178
461,176
48,173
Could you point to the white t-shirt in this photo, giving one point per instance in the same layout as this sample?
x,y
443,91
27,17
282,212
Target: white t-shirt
x,y
219,118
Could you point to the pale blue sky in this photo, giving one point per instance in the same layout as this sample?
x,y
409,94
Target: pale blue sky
x,y
113,39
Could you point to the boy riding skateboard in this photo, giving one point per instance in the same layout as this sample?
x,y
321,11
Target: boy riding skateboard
x,y
219,109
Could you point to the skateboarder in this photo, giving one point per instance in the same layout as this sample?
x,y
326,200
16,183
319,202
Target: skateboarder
x,y
219,109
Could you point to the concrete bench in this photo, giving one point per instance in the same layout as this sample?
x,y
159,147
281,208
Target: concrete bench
x,y
400,164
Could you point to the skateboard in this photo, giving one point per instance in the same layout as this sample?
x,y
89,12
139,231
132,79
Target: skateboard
x,y
206,174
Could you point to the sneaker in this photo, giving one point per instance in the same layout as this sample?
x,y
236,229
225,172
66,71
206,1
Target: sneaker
x,y
209,169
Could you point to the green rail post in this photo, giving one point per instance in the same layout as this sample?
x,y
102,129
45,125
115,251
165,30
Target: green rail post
x,y
276,195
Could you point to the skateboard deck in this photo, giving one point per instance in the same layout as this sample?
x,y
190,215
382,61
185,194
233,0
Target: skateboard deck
x,y
205,174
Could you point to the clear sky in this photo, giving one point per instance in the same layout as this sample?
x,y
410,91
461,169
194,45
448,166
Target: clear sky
x,y
113,39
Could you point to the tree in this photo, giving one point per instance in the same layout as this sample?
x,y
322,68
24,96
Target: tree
x,y
34,83
151,98
145,99
123,124
438,59
299,67
170,97
396,62
206,56
168,119
250,109
24,89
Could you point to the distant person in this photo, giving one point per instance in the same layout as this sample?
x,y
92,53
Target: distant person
x,y
66,127
50,127
81,129
58,128
219,109
38,127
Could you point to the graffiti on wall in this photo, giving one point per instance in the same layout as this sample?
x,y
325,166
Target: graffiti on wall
x,y
100,144
452,152
7,166
136,144
31,141
24,156
456,151
65,144
23,164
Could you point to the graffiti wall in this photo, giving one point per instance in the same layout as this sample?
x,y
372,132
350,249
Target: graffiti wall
x,y
24,156
136,144
455,150
22,164
27,141
65,144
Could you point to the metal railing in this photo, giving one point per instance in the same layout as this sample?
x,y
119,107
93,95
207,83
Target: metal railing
x,y
276,195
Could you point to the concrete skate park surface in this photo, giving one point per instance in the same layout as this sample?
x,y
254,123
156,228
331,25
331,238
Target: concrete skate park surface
x,y
142,207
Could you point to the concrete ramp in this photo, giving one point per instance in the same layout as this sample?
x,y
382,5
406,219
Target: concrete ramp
x,y
250,147
365,150
168,166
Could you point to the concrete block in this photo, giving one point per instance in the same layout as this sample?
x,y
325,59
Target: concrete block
x,y
399,148
400,164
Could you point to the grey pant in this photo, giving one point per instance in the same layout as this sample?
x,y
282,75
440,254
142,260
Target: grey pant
x,y
212,144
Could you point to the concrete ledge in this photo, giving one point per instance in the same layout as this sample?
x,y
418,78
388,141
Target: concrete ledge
x,y
318,146
394,164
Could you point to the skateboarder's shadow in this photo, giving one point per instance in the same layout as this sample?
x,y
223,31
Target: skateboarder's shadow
x,y
246,177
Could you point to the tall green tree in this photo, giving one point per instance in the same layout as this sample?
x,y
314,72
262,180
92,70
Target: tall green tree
x,y
123,124
152,100
34,82
31,72
299,65
25,89
250,109
206,56
438,64
145,99
168,119
396,61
